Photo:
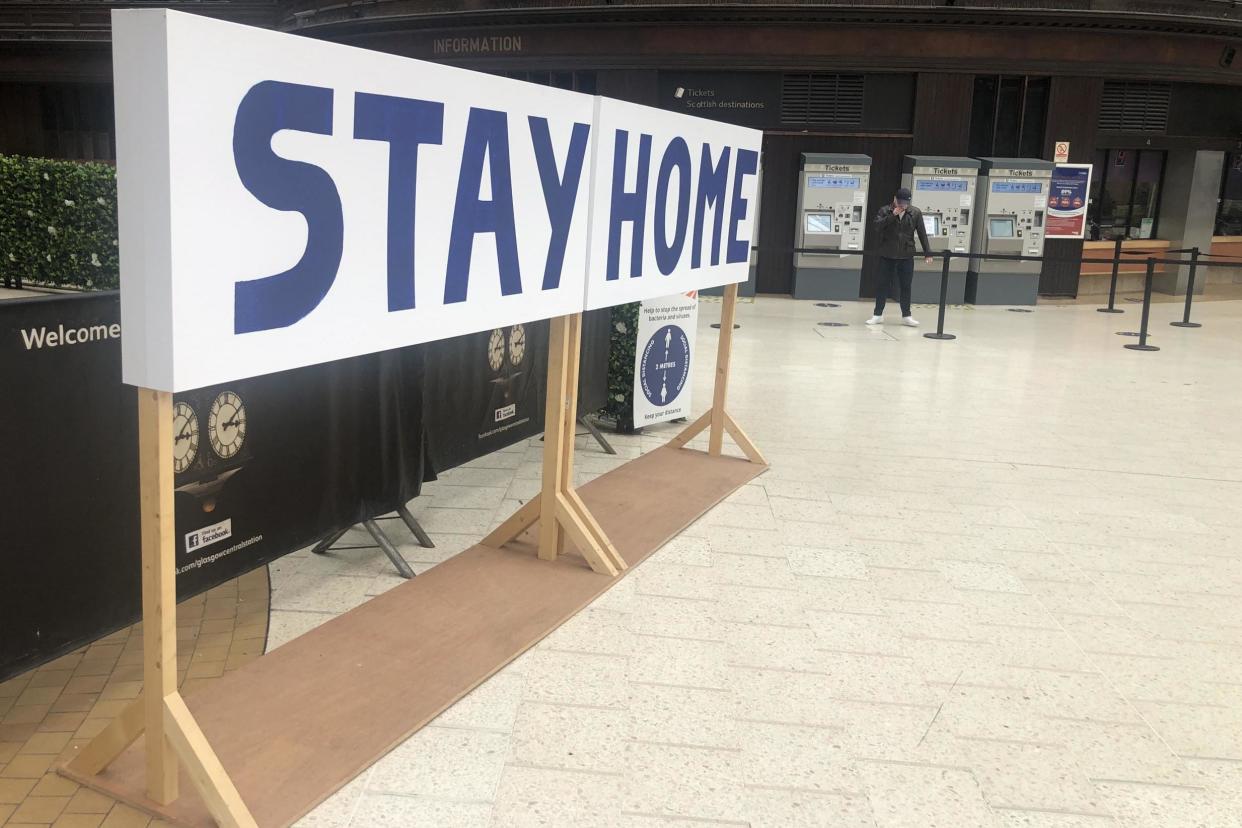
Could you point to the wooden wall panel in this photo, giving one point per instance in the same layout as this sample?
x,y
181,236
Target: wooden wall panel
x,y
942,113
1073,111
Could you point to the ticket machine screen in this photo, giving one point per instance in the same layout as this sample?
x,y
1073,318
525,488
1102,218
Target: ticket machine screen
x,y
832,182
1000,228
931,223
819,222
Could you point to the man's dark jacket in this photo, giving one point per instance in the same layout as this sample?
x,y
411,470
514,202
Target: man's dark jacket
x,y
894,235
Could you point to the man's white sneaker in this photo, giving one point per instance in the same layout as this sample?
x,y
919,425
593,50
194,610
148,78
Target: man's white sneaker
x,y
875,320
910,321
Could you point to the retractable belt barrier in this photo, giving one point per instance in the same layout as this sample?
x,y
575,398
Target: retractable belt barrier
x,y
1195,261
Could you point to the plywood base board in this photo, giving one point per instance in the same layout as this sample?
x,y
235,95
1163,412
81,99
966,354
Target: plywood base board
x,y
296,725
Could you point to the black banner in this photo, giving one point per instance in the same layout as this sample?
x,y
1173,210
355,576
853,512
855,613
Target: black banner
x,y
487,390
263,466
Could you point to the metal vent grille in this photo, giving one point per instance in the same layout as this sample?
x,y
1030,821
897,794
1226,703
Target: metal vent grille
x,y
822,100
1135,107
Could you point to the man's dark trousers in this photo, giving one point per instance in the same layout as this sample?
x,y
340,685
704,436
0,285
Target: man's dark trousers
x,y
896,275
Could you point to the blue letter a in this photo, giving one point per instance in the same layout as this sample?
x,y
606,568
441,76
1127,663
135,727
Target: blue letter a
x,y
487,134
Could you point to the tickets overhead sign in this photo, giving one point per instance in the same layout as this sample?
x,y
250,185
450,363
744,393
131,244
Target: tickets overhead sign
x,y
286,201
674,203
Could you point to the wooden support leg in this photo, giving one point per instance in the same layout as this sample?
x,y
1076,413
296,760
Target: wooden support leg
x,y
559,511
173,737
159,586
724,349
112,740
204,769
716,421
554,461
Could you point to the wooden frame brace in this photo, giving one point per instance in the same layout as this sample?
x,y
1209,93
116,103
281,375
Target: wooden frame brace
x,y
558,509
717,421
173,738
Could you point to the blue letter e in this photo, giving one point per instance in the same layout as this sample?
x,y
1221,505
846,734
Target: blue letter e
x,y
269,107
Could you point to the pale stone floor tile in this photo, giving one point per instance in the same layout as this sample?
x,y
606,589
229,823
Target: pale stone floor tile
x,y
807,809
922,795
1051,819
708,781
443,762
531,797
492,705
569,737
396,811
1158,806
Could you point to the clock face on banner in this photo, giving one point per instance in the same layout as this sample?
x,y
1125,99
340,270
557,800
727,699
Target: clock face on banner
x,y
665,365
185,436
517,345
226,425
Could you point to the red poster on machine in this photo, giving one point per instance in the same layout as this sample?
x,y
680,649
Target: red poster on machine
x,y
1067,201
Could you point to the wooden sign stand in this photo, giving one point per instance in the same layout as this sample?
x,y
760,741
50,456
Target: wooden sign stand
x,y
173,737
718,419
559,510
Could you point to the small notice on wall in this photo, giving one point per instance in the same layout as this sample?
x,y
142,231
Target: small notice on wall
x,y
662,358
1067,201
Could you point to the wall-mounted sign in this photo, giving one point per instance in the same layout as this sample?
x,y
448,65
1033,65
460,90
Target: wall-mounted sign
x,y
750,99
1060,151
305,201
477,45
1068,194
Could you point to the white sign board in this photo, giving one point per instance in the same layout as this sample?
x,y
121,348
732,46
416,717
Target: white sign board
x,y
286,201
663,356
674,203
1060,151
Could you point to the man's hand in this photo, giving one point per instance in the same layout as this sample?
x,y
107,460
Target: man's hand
x,y
929,259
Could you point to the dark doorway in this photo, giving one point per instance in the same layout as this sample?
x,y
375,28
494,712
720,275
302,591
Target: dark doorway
x,y
781,159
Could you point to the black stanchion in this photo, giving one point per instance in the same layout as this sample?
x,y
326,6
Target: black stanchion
x,y
944,296
1112,285
1190,292
1142,343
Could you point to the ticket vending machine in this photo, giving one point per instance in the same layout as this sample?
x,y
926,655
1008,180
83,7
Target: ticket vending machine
x,y
832,214
1013,210
944,190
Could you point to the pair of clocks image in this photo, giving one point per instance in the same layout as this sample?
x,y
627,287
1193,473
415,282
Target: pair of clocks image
x,y
506,357
209,441
506,347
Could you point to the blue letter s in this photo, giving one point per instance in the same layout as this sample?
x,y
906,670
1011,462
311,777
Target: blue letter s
x,y
269,107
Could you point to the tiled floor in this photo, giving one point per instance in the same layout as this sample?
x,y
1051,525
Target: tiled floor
x,y
996,581
48,713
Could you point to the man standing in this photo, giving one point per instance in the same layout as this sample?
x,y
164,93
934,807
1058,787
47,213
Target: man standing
x,y
895,226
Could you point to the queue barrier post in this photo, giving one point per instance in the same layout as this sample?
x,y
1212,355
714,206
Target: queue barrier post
x,y
944,296
1142,343
1112,284
1190,293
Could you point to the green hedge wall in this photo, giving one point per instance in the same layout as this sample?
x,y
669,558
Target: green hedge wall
x,y
620,407
58,223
